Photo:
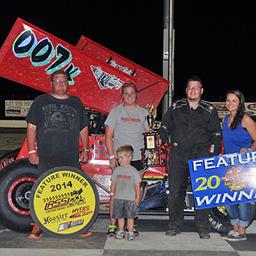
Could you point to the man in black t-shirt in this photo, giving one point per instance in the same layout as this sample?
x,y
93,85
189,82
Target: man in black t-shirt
x,y
55,124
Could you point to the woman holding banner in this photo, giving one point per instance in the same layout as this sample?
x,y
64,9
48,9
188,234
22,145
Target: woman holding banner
x,y
239,136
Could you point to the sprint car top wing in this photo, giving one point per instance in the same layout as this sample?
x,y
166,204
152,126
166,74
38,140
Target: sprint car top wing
x,y
30,55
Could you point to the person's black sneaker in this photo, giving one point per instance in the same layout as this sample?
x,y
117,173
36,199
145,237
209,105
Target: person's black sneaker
x,y
204,235
172,232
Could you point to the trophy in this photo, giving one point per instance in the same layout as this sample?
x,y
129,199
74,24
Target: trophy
x,y
151,119
153,124
151,154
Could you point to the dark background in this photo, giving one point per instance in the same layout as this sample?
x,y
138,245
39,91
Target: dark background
x,y
213,39
216,39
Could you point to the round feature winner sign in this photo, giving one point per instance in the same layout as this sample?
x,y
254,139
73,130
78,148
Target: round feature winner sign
x,y
64,201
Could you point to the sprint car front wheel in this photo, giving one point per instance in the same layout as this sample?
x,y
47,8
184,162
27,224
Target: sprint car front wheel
x,y
16,182
219,219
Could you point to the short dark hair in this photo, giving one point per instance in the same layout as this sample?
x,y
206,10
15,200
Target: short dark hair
x,y
195,78
129,84
58,72
125,148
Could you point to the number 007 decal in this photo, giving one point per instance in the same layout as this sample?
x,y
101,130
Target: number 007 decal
x,y
64,201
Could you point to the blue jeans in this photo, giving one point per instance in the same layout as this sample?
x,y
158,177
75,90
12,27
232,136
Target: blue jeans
x,y
240,214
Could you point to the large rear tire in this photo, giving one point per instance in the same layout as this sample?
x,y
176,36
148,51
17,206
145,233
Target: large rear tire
x,y
219,220
16,182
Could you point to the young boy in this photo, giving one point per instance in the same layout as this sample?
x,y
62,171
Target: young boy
x,y
125,192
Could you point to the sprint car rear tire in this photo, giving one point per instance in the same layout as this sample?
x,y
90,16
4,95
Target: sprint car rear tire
x,y
16,182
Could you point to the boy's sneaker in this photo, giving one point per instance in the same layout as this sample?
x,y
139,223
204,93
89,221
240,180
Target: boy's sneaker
x,y
130,236
235,236
36,233
111,230
120,234
135,232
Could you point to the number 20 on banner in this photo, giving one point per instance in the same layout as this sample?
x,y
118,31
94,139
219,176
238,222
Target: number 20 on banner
x,y
212,182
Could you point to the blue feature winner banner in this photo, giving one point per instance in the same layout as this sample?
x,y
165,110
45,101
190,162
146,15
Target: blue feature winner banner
x,y
223,180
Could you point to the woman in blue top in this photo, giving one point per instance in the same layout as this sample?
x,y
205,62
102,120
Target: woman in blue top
x,y
239,135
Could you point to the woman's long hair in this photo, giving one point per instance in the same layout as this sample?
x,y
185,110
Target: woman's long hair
x,y
240,110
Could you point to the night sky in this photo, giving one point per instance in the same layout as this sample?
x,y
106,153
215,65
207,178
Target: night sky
x,y
212,40
216,40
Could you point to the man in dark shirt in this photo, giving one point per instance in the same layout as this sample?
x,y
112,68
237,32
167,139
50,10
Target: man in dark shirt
x,y
55,124
194,128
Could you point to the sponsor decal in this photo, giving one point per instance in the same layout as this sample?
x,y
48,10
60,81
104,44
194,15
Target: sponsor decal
x,y
126,70
41,53
57,218
81,211
70,224
106,80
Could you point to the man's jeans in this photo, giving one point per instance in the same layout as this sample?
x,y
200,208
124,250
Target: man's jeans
x,y
240,214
